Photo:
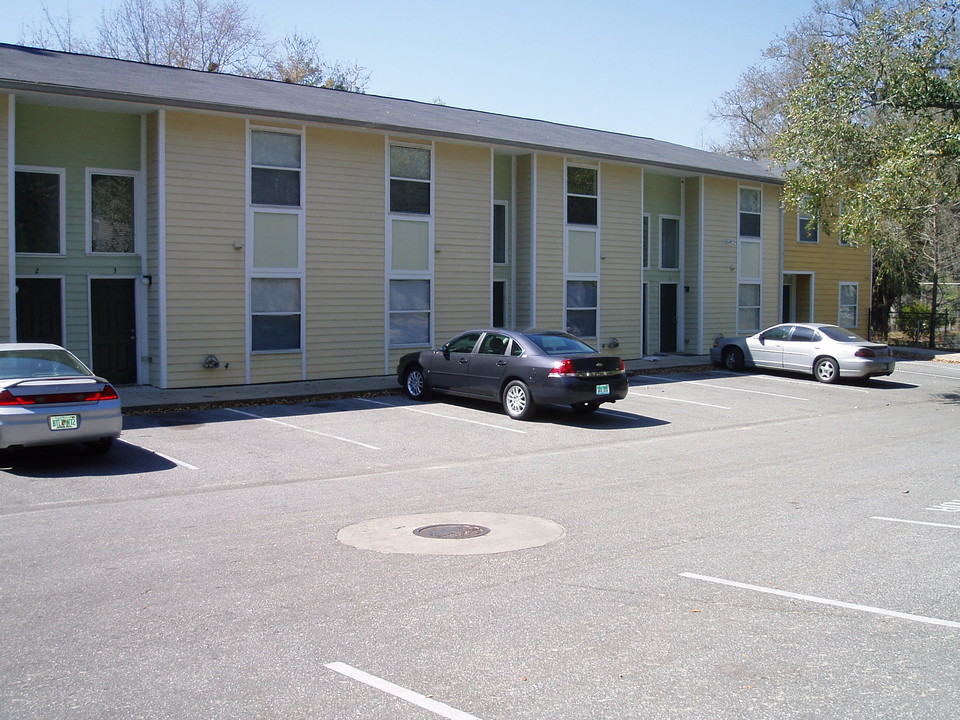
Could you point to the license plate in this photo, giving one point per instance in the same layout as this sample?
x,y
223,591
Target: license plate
x,y
603,389
64,422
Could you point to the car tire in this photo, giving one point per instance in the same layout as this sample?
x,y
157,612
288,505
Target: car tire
x,y
415,383
99,447
585,408
517,401
826,370
733,359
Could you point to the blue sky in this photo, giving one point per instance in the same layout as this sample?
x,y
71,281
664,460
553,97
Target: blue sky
x,y
642,68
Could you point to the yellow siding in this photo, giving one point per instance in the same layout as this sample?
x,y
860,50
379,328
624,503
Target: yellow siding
x,y
524,229
462,236
205,204
550,199
621,217
693,341
345,249
275,367
5,240
719,258
831,264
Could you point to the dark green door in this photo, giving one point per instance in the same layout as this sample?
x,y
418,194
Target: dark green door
x,y
113,326
39,310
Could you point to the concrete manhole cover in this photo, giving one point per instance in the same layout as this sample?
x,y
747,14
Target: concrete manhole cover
x,y
451,533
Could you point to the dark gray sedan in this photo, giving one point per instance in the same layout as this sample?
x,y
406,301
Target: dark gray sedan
x,y
828,352
519,370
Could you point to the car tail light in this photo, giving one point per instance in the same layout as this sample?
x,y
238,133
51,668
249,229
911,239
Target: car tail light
x,y
108,393
865,352
623,367
563,368
7,398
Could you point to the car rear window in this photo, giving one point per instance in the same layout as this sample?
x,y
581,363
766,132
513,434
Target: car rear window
x,y
39,363
841,335
560,344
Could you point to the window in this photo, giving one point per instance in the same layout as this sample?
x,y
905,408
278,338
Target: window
x,y
807,230
748,308
582,194
111,213
803,334
669,243
409,312
848,305
645,247
275,168
582,308
778,333
39,211
410,175
750,212
499,314
463,344
499,234
275,304
494,344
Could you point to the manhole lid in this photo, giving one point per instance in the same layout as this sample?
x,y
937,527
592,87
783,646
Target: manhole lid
x,y
451,531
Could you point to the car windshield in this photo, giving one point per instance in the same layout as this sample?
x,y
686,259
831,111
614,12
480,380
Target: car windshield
x,y
841,335
556,344
39,363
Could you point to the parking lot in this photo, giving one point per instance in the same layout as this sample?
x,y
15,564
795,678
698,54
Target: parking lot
x,y
717,545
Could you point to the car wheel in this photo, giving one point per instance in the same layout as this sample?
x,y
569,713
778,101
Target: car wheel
x,y
826,370
99,447
415,383
733,359
517,401
585,408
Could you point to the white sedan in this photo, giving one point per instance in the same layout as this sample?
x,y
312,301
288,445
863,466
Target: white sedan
x,y
49,397
828,352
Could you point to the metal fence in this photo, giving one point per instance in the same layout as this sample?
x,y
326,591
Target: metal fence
x,y
913,328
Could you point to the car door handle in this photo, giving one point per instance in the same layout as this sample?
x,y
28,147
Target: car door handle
x,y
463,361
501,363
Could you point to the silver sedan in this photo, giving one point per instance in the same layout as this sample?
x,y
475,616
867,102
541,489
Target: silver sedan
x,y
828,352
49,397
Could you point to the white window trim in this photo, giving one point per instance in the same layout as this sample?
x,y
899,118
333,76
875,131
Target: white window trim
x,y
139,210
389,273
253,272
841,305
62,173
679,243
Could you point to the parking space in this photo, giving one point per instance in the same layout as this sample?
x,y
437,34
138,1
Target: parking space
x,y
729,546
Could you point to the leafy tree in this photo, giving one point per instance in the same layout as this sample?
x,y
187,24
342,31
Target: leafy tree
x,y
210,35
875,125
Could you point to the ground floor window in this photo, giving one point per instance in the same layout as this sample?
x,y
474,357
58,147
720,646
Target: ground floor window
x,y
748,308
409,312
276,314
848,305
582,308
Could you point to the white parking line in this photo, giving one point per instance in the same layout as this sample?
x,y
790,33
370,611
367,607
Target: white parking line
x,y
440,415
296,427
169,458
825,601
914,372
744,390
438,708
691,402
918,522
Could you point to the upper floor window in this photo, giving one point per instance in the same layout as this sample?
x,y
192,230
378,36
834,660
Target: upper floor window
x,y
582,195
39,211
807,230
275,168
669,243
750,212
111,213
410,175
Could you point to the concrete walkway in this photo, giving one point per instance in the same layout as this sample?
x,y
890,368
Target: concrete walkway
x,y
146,398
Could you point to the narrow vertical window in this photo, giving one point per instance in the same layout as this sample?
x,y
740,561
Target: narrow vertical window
x,y
645,249
274,168
582,196
849,301
582,250
409,180
669,243
750,212
499,234
111,213
807,231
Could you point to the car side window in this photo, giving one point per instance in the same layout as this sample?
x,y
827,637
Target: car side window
x,y
777,333
515,349
463,344
802,334
494,344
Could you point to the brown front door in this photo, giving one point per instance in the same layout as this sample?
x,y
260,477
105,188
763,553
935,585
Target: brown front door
x,y
113,320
